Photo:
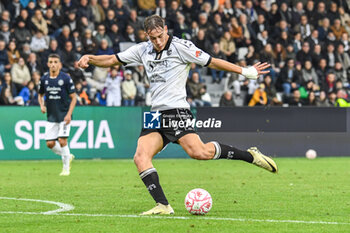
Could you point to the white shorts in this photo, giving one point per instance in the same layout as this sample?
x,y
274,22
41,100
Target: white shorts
x,y
54,130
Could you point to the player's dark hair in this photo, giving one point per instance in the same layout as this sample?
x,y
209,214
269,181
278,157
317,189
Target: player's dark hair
x,y
153,22
55,55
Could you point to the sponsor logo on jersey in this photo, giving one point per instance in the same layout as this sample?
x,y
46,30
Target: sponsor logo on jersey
x,y
151,120
198,53
156,78
60,82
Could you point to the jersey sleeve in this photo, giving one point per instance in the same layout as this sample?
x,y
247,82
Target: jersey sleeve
x,y
70,85
41,87
131,55
191,54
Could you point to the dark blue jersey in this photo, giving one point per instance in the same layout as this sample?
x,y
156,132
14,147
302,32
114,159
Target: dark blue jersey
x,y
56,92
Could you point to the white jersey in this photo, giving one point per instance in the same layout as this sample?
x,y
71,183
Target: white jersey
x,y
167,70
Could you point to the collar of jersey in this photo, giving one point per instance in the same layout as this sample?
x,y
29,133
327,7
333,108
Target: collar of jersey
x,y
166,46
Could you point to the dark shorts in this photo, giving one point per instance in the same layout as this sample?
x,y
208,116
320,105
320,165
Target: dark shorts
x,y
170,131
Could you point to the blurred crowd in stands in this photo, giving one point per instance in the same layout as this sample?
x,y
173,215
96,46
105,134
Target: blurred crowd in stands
x,y
306,42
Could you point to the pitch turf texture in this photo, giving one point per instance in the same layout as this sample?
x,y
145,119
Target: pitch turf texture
x,y
107,195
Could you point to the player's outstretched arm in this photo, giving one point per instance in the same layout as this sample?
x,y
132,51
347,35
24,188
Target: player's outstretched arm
x,y
251,72
98,60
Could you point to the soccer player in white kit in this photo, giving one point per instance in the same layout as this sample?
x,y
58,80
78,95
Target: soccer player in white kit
x,y
167,62
59,90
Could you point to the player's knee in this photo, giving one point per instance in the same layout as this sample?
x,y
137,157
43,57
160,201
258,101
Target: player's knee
x,y
62,141
139,158
50,144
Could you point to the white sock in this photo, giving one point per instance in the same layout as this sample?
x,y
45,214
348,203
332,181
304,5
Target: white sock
x,y
65,157
57,149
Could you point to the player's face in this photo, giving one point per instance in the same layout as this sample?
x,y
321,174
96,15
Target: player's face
x,y
158,37
54,64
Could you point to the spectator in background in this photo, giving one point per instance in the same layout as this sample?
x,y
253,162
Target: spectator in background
x,y
226,100
344,16
330,82
71,20
64,36
105,6
84,24
121,12
101,34
295,100
89,43
111,19
52,22
337,29
322,101
323,29
271,92
33,64
181,30
161,9
304,28
130,34
7,83
304,54
22,34
227,46
274,15
342,99
12,52
133,21
142,84
309,73
4,61
259,96
104,49
343,57
83,98
311,100
83,9
29,94
113,88
128,89
68,56
20,74
97,11
340,73
288,78
5,32
217,75
321,72
146,7
38,43
330,55
39,22
196,90
202,42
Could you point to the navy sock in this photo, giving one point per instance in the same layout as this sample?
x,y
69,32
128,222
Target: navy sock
x,y
229,152
151,180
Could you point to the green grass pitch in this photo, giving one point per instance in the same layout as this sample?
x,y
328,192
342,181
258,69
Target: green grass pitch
x,y
306,196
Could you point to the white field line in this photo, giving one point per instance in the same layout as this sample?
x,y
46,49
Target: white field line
x,y
67,207
62,206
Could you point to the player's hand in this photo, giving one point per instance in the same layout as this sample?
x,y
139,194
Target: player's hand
x,y
67,119
261,67
84,62
43,109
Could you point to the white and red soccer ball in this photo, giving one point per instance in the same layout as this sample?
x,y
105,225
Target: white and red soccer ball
x,y
311,154
198,201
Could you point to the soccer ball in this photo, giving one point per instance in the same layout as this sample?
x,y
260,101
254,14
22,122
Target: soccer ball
x,y
198,201
311,154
